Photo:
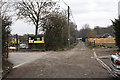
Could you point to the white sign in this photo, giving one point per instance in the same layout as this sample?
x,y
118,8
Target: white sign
x,y
94,39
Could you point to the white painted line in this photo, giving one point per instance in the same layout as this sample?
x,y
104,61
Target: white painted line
x,y
19,65
26,53
104,57
105,66
101,57
95,55
92,57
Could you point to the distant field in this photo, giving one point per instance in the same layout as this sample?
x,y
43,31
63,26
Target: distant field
x,y
107,44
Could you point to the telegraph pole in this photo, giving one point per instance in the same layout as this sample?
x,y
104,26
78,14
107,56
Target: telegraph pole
x,y
0,45
68,24
68,27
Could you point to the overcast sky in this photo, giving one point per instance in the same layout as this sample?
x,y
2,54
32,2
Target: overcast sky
x,y
92,12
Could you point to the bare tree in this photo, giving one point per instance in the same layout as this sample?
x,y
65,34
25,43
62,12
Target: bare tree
x,y
85,30
33,11
6,21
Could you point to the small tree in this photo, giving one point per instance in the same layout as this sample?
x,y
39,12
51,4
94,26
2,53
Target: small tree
x,y
116,26
73,32
56,29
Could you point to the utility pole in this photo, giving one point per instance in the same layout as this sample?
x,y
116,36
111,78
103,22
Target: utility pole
x,y
0,46
68,27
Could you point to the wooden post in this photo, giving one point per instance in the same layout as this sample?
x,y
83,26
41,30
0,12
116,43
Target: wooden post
x,y
7,37
0,46
16,42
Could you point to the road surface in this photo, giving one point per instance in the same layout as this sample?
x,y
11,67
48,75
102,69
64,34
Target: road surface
x,y
78,62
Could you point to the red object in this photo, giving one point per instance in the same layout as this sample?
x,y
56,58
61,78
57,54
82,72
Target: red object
x,y
116,52
117,62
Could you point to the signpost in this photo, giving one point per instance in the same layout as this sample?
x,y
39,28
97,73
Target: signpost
x,y
94,42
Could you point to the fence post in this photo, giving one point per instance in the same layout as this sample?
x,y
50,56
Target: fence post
x,y
16,42
94,42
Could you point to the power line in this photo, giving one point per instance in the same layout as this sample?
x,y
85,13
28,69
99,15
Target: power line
x,y
72,16
65,3
70,10
68,23
62,9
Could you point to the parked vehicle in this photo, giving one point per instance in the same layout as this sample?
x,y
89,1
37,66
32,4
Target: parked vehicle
x,y
23,46
115,63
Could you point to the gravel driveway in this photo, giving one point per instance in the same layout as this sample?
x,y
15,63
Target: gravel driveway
x,y
74,63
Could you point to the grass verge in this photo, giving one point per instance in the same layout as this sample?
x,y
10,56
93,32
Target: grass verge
x,y
67,48
89,46
107,44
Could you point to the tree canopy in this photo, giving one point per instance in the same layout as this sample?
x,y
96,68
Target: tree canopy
x,y
55,29
116,26
33,11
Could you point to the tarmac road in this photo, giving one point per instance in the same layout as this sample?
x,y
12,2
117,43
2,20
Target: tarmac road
x,y
18,58
74,63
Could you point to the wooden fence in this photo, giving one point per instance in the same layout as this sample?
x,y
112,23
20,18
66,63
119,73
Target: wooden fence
x,y
101,40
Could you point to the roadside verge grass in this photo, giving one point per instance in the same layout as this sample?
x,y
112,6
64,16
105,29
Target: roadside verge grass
x,y
67,48
89,46
108,45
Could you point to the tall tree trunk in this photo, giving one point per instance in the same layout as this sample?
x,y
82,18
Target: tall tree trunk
x,y
36,30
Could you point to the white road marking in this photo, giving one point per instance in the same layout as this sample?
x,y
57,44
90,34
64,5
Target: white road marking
x,y
105,66
19,65
92,57
100,57
108,56
95,55
28,53
83,49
